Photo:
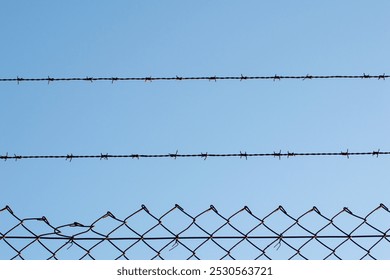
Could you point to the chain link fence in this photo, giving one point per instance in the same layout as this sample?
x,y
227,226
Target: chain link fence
x,y
208,235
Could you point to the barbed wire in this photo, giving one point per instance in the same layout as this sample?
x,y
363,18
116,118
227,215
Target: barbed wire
x,y
207,78
207,235
204,156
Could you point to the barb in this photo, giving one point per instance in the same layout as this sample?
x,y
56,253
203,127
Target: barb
x,y
229,236
69,157
174,155
242,77
245,155
346,154
278,155
202,155
105,156
309,77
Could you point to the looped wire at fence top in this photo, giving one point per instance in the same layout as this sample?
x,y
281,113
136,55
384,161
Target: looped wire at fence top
x,y
210,234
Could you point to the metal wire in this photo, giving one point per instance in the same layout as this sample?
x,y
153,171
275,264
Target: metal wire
x,y
207,78
277,235
204,156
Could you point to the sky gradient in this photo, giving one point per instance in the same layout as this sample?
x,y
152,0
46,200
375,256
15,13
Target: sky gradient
x,y
169,38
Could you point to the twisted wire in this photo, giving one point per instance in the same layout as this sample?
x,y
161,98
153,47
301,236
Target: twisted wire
x,y
195,78
204,156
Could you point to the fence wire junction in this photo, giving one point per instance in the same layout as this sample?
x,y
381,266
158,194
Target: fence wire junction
x,y
208,235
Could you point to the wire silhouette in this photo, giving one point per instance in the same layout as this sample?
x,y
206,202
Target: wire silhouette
x,y
204,156
254,238
194,78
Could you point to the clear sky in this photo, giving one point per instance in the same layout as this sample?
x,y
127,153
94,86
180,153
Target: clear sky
x,y
193,38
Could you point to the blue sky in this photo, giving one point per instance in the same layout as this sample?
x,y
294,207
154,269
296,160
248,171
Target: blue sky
x,y
198,38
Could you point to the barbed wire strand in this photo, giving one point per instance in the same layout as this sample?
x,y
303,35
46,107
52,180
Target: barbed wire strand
x,y
207,78
204,156
138,234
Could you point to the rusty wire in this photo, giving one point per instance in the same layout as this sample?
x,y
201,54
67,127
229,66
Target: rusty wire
x,y
249,236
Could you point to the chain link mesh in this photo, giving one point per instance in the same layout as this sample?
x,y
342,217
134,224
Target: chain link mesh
x,y
208,235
